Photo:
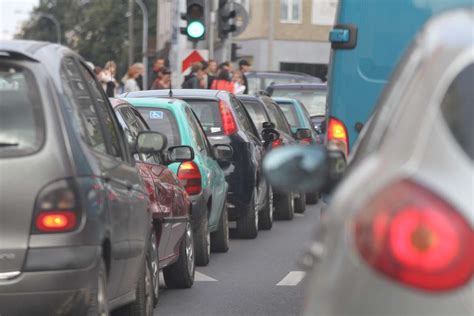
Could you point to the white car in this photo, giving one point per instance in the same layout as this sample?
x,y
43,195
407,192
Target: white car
x,y
398,233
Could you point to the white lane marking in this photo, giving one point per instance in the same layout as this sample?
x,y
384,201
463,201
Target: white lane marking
x,y
201,277
292,278
299,215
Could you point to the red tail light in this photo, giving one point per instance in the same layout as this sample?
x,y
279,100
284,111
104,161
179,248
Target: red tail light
x,y
337,133
414,237
190,176
229,126
277,143
57,208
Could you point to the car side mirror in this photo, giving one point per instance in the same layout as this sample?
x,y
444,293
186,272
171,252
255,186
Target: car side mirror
x,y
302,133
266,125
269,135
223,152
149,142
297,168
180,154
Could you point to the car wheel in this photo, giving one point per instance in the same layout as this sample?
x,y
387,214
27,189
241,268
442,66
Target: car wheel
x,y
100,305
202,242
284,206
180,275
154,267
266,215
312,198
247,226
220,238
145,301
300,203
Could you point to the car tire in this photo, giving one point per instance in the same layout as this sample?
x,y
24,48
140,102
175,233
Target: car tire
x,y
265,221
284,206
100,304
300,203
145,301
202,246
312,198
247,226
220,238
154,267
180,275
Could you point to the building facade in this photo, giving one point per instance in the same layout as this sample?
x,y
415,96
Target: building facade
x,y
288,35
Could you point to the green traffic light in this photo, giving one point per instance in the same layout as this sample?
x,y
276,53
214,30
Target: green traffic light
x,y
196,29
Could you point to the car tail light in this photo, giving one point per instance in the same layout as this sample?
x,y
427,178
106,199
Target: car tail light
x,y
277,143
57,208
411,235
229,126
337,133
190,176
306,141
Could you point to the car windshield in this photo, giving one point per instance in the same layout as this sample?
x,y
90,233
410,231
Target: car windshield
x,y
256,112
163,121
313,100
21,124
289,111
208,114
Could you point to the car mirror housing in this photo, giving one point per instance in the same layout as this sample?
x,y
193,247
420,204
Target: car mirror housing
x,y
297,168
149,142
266,125
223,152
180,154
302,133
270,134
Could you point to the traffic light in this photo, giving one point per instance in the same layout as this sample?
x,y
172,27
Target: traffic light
x,y
225,23
195,28
233,51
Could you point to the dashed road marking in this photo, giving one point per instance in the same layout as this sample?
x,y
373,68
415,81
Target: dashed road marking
x,y
201,277
293,278
299,215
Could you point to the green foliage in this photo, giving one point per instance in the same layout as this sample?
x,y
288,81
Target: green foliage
x,y
95,29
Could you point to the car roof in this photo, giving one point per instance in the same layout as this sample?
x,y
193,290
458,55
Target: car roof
x,y
165,103
279,74
283,99
175,93
299,86
43,52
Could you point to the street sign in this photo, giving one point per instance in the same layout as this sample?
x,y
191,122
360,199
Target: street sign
x,y
193,56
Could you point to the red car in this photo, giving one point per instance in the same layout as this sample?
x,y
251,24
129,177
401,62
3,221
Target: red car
x,y
170,204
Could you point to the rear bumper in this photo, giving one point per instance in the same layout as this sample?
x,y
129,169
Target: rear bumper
x,y
199,209
50,292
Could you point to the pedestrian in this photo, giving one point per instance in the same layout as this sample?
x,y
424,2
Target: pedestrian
x,y
164,81
97,71
223,82
239,86
141,69
107,78
157,66
244,67
212,68
194,79
130,80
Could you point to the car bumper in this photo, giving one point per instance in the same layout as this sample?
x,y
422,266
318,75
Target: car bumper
x,y
58,291
199,209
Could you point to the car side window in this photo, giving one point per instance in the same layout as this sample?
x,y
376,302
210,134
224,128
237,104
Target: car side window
x,y
278,118
244,117
105,112
457,110
198,137
83,112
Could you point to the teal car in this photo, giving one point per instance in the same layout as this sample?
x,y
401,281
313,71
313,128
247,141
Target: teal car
x,y
202,177
298,118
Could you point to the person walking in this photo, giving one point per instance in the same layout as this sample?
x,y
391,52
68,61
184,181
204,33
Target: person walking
x,y
157,66
141,70
130,80
164,81
107,78
223,82
244,66
193,80
239,86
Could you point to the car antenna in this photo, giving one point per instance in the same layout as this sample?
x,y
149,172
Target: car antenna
x,y
170,93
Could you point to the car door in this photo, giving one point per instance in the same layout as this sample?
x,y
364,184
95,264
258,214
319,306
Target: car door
x,y
214,174
127,195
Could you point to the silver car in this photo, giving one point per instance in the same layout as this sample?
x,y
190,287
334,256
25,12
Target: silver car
x,y
398,233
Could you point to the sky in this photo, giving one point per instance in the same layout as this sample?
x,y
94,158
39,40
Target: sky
x,y
12,14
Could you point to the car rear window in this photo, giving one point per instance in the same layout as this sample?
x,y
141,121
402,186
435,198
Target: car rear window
x,y
163,121
208,114
313,100
256,112
21,121
289,111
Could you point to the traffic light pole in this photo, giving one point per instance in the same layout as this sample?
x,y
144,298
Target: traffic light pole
x,y
144,41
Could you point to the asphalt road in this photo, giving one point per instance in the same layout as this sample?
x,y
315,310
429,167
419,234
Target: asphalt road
x,y
244,280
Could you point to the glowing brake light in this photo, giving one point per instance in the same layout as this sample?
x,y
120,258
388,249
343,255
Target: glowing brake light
x,y
337,133
277,143
190,176
412,236
56,221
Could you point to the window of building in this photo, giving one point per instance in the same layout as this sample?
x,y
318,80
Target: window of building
x,y
291,11
323,12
